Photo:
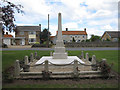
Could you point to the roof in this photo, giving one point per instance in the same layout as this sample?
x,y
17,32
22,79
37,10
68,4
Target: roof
x,y
74,32
52,36
113,34
28,28
7,35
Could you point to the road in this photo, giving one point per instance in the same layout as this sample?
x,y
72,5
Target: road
x,y
46,49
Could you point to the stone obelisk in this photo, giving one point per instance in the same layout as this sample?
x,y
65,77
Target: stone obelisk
x,y
59,48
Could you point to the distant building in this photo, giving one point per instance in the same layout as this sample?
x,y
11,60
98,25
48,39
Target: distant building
x,y
111,35
53,39
26,35
78,36
7,39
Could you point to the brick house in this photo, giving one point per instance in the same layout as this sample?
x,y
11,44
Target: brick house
x,y
111,35
26,35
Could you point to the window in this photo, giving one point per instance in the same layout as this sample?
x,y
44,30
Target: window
x,y
21,33
115,39
83,36
32,32
32,40
75,36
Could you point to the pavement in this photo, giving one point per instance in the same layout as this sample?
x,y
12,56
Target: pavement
x,y
69,49
19,46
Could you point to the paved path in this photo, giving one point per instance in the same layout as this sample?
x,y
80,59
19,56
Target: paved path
x,y
46,49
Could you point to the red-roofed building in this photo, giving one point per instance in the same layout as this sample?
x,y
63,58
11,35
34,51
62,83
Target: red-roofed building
x,y
53,39
7,35
7,39
78,36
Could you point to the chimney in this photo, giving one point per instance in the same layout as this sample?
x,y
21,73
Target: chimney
x,y
85,29
66,29
6,33
40,26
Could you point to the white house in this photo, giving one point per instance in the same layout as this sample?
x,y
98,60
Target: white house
x,y
7,39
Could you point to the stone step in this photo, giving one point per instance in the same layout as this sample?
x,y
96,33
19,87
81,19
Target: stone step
x,y
61,73
62,76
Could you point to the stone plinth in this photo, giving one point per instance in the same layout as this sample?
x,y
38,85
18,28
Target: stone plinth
x,y
69,60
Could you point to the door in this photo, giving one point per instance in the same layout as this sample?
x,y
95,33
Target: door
x,y
23,41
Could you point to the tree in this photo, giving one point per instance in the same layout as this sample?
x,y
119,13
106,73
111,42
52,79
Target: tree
x,y
8,11
44,35
87,40
95,38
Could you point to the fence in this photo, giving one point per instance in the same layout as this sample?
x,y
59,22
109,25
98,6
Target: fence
x,y
91,44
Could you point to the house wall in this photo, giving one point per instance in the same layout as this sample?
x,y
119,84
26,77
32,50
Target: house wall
x,y
27,36
7,41
37,36
78,38
115,39
106,36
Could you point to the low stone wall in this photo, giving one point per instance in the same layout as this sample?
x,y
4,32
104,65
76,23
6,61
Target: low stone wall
x,y
92,44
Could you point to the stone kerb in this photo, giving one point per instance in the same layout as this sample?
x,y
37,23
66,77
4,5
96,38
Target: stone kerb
x,y
17,68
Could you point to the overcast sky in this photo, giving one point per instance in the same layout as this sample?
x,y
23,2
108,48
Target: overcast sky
x,y
96,16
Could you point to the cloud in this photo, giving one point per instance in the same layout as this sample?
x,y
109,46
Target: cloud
x,y
71,25
107,27
77,14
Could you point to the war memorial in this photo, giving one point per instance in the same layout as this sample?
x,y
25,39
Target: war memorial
x,y
58,64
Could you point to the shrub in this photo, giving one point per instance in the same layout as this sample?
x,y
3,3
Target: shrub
x,y
37,42
105,69
38,45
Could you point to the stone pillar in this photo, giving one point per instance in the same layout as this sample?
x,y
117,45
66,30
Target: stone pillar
x,y
75,66
59,47
35,55
17,68
26,60
59,36
46,66
93,59
31,57
51,54
75,69
94,63
82,55
87,57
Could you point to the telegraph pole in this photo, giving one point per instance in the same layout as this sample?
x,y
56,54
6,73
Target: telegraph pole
x,y
48,30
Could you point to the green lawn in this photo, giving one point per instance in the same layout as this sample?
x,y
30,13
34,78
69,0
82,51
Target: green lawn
x,y
9,57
